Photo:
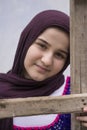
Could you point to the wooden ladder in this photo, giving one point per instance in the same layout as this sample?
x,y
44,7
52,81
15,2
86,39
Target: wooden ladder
x,y
73,103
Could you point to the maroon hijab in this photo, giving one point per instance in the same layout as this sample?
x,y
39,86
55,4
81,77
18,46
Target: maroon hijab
x,y
13,84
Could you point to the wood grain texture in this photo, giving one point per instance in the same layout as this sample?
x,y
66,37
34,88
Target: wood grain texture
x,y
78,48
42,105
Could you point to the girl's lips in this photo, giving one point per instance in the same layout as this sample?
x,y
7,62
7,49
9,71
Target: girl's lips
x,y
42,68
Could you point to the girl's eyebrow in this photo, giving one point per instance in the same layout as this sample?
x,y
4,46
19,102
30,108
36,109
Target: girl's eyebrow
x,y
62,51
44,41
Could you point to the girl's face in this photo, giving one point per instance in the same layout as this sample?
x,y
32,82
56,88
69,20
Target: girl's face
x,y
47,55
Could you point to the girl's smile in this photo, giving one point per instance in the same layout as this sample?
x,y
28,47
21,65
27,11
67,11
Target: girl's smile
x,y
42,69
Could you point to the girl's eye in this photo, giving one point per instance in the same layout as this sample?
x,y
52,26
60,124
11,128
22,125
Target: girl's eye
x,y
42,46
59,56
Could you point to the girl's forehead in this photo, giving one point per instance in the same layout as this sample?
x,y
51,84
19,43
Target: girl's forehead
x,y
54,34
53,30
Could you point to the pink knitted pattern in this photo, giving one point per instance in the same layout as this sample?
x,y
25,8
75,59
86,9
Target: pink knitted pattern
x,y
46,126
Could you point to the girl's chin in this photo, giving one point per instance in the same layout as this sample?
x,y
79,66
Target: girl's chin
x,y
37,78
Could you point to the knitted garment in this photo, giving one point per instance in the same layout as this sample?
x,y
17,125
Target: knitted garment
x,y
62,121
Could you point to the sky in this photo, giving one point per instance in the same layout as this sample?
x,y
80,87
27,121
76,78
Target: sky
x,y
14,16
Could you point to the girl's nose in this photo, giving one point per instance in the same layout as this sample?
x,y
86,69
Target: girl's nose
x,y
47,59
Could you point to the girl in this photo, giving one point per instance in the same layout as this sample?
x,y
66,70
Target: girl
x,y
41,58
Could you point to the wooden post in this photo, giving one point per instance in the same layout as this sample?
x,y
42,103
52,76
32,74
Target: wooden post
x,y
78,48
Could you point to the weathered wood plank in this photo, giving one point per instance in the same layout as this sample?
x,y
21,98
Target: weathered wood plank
x,y
78,45
42,105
